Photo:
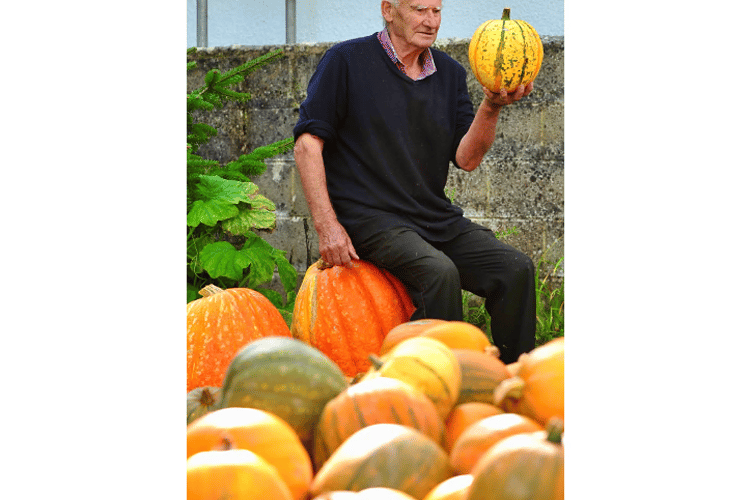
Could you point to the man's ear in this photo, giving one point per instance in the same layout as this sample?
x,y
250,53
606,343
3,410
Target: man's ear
x,y
386,10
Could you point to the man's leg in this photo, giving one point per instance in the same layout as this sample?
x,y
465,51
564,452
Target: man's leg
x,y
431,279
506,278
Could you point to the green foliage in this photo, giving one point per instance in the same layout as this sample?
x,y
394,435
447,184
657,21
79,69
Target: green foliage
x,y
225,210
549,302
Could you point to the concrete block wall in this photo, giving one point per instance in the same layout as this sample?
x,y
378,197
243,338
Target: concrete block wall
x,y
519,184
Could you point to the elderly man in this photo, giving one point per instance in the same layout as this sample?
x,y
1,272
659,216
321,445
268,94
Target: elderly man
x,y
384,117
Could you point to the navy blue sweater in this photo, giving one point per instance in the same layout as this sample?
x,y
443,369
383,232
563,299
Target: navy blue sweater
x,y
388,140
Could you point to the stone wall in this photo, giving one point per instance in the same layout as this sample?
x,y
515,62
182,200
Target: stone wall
x,y
520,183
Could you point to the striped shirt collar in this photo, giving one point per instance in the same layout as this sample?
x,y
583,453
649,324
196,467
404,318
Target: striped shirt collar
x,y
426,58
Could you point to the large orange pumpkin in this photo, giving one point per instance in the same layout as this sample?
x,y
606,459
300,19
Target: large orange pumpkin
x,y
233,474
381,400
521,467
219,324
384,455
261,432
481,435
345,312
428,365
505,53
537,390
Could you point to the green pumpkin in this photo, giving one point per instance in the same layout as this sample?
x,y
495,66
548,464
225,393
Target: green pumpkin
x,y
202,400
286,377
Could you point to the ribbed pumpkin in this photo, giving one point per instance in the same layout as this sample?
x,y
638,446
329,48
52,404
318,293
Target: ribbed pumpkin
x,y
381,400
455,334
481,435
220,323
537,390
481,375
366,494
505,53
286,377
261,432
521,467
384,455
454,488
346,312
201,401
233,474
462,416
426,364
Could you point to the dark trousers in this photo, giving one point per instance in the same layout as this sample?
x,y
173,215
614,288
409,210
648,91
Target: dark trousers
x,y
435,273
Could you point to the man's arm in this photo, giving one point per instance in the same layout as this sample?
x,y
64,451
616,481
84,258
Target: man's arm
x,y
335,245
479,138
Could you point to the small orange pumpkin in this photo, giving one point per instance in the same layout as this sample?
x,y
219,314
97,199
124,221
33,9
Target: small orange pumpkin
x,y
462,416
523,466
455,334
261,432
233,474
345,312
481,435
380,400
537,390
219,324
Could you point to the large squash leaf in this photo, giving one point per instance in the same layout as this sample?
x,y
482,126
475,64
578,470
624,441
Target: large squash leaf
x,y
217,199
223,259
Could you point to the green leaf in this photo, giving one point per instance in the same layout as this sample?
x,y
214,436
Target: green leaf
x,y
287,274
217,199
249,218
262,266
223,259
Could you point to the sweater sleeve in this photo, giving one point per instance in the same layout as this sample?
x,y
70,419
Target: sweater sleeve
x,y
465,114
326,102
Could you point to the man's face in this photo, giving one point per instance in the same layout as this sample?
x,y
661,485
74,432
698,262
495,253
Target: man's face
x,y
415,22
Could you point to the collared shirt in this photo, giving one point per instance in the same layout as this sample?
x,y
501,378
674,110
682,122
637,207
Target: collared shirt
x,y
426,58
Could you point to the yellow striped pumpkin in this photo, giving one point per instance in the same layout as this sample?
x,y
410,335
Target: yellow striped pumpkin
x,y
505,53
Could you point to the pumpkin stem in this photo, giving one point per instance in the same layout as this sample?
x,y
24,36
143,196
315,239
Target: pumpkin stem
x,y
508,393
505,15
206,397
375,361
224,444
209,290
321,265
554,429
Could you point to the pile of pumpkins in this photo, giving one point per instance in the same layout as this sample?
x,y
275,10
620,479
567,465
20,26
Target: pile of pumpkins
x,y
353,400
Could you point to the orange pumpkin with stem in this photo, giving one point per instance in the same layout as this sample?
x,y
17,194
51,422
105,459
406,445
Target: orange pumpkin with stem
x,y
345,312
537,391
261,432
523,466
219,324
229,473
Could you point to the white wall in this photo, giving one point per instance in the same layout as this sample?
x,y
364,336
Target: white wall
x,y
262,22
